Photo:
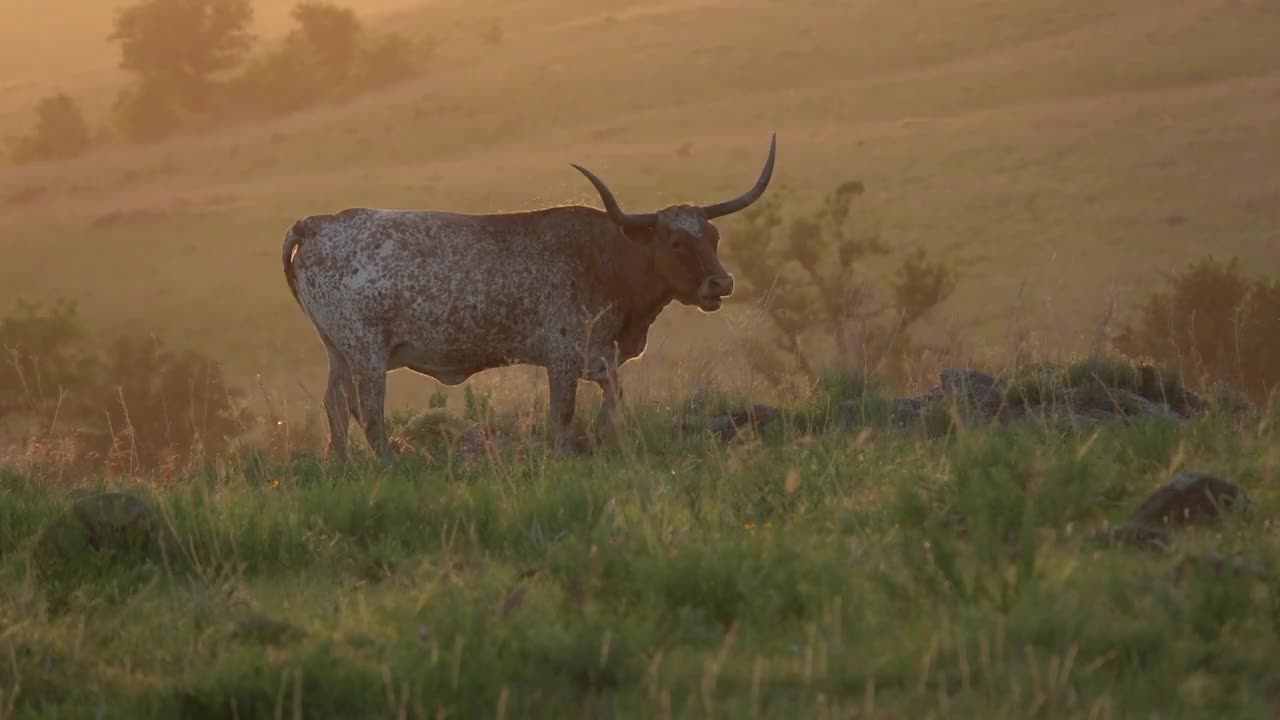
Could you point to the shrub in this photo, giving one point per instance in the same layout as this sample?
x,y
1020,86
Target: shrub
x,y
144,113
806,273
161,407
137,405
61,132
385,61
1213,323
280,82
44,358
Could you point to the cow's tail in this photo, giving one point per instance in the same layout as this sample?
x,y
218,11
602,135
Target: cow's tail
x,y
300,231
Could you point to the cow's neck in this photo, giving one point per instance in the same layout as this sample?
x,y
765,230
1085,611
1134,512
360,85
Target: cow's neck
x,y
643,292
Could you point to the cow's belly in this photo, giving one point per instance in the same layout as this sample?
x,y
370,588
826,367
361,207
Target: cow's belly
x,y
449,366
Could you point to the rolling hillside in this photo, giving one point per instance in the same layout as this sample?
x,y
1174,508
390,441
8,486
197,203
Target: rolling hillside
x,y
1061,153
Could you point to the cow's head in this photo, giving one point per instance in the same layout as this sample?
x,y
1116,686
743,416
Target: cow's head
x,y
685,241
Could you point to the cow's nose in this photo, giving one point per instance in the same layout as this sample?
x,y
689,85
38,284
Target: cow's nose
x,y
720,285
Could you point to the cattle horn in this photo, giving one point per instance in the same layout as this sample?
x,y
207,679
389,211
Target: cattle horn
x,y
647,220
742,201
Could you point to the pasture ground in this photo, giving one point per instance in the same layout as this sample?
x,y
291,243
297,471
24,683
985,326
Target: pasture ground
x,y
848,570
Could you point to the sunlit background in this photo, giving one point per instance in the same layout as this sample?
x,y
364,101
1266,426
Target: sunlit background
x,y
1056,158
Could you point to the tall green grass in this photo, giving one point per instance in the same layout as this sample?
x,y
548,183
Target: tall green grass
x,y
828,566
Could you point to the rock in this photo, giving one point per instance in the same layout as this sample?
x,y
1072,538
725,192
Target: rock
x,y
982,389
1190,497
1137,536
967,380
726,427
907,409
910,409
1173,396
1151,409
121,524
1110,403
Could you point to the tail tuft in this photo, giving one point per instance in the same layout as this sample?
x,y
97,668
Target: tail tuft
x,y
300,231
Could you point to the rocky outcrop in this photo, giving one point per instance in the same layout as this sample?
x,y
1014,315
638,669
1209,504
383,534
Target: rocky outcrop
x,y
1042,393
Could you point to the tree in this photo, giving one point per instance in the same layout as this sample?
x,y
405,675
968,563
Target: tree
x,y
61,132
179,47
331,32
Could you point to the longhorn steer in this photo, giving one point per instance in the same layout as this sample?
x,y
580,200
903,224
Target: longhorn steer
x,y
570,289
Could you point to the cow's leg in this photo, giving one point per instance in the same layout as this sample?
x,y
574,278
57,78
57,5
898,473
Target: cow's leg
x,y
610,395
562,380
371,397
610,398
338,396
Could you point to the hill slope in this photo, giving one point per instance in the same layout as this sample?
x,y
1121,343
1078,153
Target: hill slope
x,y
1067,150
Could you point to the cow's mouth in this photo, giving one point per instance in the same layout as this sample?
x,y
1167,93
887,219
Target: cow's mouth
x,y
709,303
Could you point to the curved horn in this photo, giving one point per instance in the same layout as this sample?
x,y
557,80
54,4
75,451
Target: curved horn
x,y
750,196
647,220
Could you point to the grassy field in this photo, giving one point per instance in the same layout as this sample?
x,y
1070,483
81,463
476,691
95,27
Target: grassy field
x,y
1057,155
818,569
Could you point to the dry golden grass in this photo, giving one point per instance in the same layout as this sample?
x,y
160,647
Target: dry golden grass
x,y
1059,152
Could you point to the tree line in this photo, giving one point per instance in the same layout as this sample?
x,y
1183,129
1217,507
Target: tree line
x,y
194,66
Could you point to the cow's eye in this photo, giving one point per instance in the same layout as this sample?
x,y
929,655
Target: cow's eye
x,y
675,244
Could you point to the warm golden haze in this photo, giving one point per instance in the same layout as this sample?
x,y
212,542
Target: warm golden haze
x,y
988,426
1056,153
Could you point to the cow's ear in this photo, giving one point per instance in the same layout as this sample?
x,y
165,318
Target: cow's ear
x,y
642,235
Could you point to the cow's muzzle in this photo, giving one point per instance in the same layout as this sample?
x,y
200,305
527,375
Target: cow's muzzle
x,y
713,291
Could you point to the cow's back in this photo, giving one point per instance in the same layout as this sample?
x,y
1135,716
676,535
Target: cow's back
x,y
448,293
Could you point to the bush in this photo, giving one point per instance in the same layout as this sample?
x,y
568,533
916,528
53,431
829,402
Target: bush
x,y
137,405
161,407
807,276
1213,323
61,132
44,358
385,62
144,113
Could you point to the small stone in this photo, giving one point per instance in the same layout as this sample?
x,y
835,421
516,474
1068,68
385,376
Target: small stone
x,y
981,389
1138,536
1190,497
115,522
727,426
